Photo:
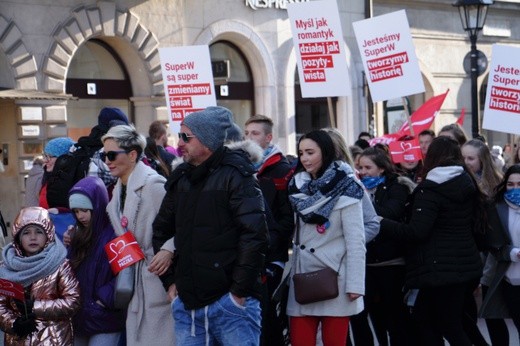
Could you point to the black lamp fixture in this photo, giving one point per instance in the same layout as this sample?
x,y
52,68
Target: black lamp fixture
x,y
473,15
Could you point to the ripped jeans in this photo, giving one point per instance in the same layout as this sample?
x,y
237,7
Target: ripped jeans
x,y
223,322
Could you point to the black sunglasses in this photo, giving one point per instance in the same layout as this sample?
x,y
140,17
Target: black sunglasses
x,y
110,155
185,137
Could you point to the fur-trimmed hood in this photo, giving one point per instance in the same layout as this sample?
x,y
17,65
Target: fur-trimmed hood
x,y
253,150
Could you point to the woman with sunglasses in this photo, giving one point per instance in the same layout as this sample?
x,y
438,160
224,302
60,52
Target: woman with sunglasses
x,y
135,202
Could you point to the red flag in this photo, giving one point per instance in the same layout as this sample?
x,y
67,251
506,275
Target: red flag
x,y
423,117
460,120
11,289
407,150
385,139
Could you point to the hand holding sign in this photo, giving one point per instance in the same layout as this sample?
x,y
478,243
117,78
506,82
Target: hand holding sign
x,y
123,251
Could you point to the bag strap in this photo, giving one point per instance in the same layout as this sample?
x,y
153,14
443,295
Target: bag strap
x,y
297,243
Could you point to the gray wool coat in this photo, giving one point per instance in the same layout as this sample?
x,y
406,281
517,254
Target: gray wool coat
x,y
149,319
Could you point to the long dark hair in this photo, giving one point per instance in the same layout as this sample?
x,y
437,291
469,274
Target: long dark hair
x,y
442,152
81,241
324,142
501,188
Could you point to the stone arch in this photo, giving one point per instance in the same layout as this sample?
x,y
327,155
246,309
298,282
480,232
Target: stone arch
x,y
23,64
106,22
256,53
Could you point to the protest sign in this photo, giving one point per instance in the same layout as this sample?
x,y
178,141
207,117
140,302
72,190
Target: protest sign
x,y
502,108
406,150
388,55
123,251
11,289
320,50
188,81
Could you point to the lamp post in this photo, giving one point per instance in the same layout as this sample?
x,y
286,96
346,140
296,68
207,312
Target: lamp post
x,y
473,16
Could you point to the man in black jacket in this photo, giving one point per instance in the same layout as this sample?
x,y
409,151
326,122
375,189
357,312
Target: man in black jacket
x,y
274,173
214,209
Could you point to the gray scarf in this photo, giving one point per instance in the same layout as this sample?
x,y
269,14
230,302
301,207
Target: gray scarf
x,y
27,270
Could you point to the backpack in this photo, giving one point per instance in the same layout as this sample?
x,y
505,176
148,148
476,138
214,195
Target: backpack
x,y
68,170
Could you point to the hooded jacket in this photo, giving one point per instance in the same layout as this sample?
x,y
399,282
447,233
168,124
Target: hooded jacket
x,y
94,274
216,213
441,247
56,296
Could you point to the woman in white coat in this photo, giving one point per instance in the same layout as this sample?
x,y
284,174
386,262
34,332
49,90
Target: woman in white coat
x,y
327,201
135,202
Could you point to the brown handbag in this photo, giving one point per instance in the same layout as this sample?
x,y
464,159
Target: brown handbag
x,y
314,286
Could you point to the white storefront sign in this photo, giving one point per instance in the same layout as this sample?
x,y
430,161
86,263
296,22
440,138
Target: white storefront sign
x,y
502,109
388,55
320,49
188,81
279,4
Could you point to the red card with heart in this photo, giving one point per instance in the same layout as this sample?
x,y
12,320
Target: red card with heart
x,y
123,251
11,289
405,150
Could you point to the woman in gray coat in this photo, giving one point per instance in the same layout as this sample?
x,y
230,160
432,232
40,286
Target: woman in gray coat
x,y
135,202
327,200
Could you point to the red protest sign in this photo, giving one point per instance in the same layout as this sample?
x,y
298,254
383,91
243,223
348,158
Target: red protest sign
x,y
123,251
405,150
11,289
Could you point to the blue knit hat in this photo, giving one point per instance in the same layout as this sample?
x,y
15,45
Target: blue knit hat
x,y
58,146
210,126
110,116
80,201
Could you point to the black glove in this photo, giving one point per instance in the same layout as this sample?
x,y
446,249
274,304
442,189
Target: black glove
x,y
24,325
29,303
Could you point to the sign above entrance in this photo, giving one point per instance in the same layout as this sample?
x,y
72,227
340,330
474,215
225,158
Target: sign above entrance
x,y
188,81
502,109
388,55
320,50
279,4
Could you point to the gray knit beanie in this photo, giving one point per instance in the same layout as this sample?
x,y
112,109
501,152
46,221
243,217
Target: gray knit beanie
x,y
210,126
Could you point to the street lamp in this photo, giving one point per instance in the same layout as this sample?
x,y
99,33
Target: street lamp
x,y
473,16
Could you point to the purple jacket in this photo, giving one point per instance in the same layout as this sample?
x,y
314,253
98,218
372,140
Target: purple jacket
x,y
94,274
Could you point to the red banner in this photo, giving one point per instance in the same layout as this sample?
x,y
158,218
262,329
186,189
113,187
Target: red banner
x,y
424,116
11,289
405,151
123,251
460,120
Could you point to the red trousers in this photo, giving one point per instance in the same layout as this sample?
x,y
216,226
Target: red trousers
x,y
333,330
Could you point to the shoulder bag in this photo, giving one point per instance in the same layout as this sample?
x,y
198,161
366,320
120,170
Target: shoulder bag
x,y
314,286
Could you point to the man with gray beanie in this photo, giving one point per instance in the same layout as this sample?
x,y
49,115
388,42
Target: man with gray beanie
x,y
215,210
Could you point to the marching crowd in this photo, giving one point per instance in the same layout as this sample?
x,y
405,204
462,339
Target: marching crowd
x,y
382,252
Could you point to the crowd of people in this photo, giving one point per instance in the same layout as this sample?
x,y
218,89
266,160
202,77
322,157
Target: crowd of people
x,y
217,217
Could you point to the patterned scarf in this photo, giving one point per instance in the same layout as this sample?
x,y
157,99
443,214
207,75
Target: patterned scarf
x,y
314,199
27,270
513,196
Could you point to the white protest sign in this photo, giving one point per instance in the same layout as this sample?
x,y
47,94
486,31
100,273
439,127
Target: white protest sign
x,y
502,109
188,81
320,50
388,55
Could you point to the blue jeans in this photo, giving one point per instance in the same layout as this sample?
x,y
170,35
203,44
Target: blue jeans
x,y
103,339
223,322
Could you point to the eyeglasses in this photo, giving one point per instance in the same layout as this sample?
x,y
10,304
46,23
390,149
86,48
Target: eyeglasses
x,y
110,155
185,137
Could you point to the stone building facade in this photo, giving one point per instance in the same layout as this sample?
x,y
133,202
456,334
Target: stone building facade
x,y
61,61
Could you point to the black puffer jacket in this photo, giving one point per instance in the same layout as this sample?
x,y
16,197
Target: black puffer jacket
x,y
216,213
441,246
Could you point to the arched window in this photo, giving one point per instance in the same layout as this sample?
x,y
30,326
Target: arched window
x,y
98,78
234,87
